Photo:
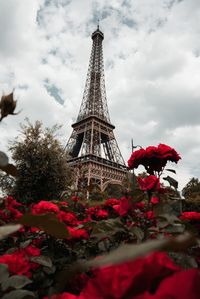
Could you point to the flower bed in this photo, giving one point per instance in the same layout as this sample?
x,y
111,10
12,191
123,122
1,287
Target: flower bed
x,y
70,249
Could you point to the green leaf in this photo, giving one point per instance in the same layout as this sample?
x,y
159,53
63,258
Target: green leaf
x,y
163,208
4,273
10,250
49,223
184,260
167,221
105,226
170,223
171,181
103,245
138,232
19,294
66,275
26,243
130,252
8,229
49,270
15,282
171,170
42,260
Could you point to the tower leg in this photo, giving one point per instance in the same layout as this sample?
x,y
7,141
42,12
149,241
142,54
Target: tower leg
x,y
101,182
88,180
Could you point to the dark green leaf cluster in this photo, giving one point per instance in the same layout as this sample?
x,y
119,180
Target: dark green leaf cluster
x,y
192,189
43,172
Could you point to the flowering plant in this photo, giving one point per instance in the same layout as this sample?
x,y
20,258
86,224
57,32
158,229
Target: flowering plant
x,y
73,249
153,158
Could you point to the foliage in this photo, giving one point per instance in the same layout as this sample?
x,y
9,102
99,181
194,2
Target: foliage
x,y
191,193
55,253
113,190
7,183
192,190
41,162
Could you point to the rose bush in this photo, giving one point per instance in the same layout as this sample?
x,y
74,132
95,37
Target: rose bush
x,y
58,240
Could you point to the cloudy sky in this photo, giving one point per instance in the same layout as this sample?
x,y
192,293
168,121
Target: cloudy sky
x,y
152,69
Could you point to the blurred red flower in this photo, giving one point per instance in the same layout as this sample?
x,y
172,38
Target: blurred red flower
x,y
78,233
31,251
152,277
68,218
111,202
154,200
101,214
75,198
180,285
190,216
11,202
150,183
125,206
17,263
44,207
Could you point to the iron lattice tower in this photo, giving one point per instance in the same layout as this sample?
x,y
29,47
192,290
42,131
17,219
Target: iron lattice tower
x,y
92,146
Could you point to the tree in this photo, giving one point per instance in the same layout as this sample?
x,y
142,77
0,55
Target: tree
x,y
191,192
7,183
192,189
43,172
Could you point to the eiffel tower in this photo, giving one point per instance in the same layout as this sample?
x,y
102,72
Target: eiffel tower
x,y
92,147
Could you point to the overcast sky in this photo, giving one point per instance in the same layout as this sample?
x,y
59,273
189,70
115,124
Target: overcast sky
x,y
152,69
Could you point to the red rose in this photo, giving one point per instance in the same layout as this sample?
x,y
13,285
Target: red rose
x,y
64,296
181,285
44,207
111,202
168,153
125,206
153,158
190,216
31,251
154,200
14,213
136,158
151,152
129,279
139,205
68,218
152,277
116,208
78,233
75,198
91,211
11,202
150,183
101,214
17,263
150,215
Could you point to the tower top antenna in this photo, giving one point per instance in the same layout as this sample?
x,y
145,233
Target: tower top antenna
x,y
98,24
